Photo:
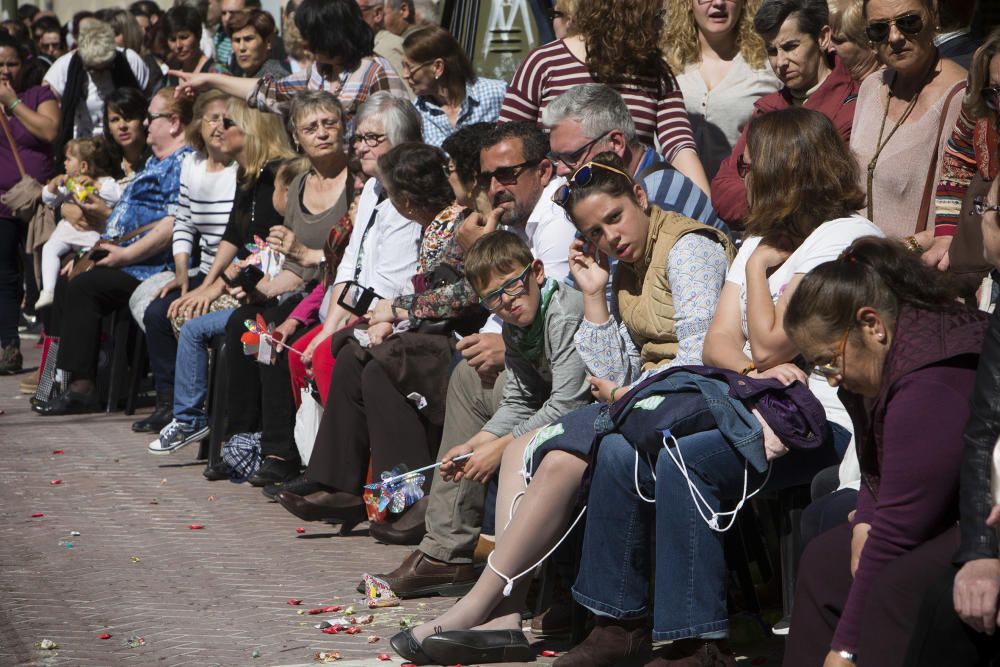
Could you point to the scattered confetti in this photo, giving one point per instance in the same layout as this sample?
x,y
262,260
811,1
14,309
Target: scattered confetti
x,y
383,657
301,612
327,657
195,526
211,499
353,630
332,630
374,639
348,611
162,481
255,653
135,641
406,622
154,501
74,533
317,610
548,653
294,601
381,603
333,608
47,645
36,515
104,635
56,482
134,559
58,451
68,545
300,530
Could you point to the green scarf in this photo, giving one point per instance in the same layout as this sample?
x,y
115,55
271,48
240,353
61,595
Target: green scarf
x,y
530,342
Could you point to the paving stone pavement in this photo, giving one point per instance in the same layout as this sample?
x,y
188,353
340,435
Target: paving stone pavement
x,y
196,597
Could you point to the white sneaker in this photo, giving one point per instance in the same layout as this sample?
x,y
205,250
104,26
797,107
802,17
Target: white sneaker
x,y
176,435
45,298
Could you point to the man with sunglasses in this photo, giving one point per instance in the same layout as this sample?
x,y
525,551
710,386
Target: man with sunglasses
x,y
796,34
593,118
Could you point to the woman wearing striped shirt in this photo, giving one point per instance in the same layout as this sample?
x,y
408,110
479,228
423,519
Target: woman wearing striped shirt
x,y
615,42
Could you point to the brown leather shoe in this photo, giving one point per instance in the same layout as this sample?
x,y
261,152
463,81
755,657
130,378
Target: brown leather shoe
x,y
553,621
324,506
484,548
694,653
421,576
610,642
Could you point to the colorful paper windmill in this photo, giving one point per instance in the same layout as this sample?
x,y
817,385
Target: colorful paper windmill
x,y
255,331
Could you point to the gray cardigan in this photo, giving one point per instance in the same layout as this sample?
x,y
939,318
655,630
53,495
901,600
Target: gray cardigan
x,y
535,396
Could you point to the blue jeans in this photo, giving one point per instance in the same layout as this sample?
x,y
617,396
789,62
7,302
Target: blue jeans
x,y
690,564
191,370
160,340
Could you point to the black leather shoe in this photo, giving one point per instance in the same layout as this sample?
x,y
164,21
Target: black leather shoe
x,y
469,647
300,486
408,529
324,506
272,471
217,472
408,648
68,403
161,416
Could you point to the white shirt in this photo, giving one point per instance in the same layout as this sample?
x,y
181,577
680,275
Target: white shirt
x,y
825,244
203,208
388,258
89,119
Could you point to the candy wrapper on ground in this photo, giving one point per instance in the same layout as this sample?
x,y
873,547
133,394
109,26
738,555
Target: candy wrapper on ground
x,y
396,491
379,593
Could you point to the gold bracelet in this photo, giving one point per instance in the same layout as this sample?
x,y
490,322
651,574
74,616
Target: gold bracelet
x,y
913,245
748,369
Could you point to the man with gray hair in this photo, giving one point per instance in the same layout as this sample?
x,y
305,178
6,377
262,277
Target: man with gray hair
x,y
400,17
592,118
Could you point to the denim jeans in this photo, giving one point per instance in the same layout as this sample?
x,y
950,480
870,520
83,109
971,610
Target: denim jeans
x,y
160,340
690,565
191,369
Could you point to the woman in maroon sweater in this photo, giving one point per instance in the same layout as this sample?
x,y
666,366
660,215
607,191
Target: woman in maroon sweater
x,y
888,332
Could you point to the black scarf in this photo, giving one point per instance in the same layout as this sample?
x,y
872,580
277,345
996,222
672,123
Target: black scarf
x,y
76,91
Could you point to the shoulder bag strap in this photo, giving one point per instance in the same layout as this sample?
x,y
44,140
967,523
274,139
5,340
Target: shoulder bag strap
x,y
13,144
929,184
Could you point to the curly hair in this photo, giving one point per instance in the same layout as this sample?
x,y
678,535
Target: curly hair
x,y
622,38
419,173
463,148
680,36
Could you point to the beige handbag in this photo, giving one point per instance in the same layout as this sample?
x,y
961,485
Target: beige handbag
x,y
25,198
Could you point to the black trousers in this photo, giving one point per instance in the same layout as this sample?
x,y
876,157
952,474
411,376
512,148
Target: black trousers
x,y
367,418
80,304
12,232
942,638
160,340
260,396
890,612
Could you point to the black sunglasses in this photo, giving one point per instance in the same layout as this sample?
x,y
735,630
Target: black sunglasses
x,y
573,158
991,95
228,123
553,14
580,178
504,175
908,24
980,207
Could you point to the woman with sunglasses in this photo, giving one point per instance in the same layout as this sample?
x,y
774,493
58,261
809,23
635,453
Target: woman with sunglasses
x,y
903,117
669,273
887,331
449,93
970,162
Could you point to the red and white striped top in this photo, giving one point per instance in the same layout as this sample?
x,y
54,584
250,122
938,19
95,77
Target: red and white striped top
x,y
552,69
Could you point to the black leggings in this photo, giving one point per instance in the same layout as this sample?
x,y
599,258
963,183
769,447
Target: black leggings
x,y
12,234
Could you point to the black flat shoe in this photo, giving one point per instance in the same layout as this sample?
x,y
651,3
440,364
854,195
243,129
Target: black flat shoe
x,y
272,471
408,529
408,648
469,647
217,472
300,486
68,403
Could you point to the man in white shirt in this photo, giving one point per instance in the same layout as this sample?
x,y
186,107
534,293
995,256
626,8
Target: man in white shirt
x,y
103,67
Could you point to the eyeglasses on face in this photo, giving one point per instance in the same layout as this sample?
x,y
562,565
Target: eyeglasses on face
x,y
515,287
835,366
553,14
228,123
152,115
580,178
908,24
504,175
742,166
991,95
328,124
410,70
573,158
981,207
370,139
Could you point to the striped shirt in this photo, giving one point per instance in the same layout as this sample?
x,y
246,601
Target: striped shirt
x,y
203,208
673,191
550,70
352,87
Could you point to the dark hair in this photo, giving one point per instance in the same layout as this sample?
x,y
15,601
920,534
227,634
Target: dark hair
x,y
335,28
979,75
257,19
146,8
497,253
534,141
602,181
463,148
131,104
811,16
802,174
433,42
183,19
623,40
7,41
18,31
27,11
418,172
96,153
78,18
876,272
44,24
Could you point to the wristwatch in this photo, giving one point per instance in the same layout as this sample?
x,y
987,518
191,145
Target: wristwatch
x,y
847,655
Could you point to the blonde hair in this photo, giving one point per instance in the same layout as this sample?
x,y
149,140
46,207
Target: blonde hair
x,y
96,44
266,139
679,38
202,103
847,17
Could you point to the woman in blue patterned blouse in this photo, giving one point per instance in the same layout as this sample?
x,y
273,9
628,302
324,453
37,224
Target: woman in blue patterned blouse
x,y
146,210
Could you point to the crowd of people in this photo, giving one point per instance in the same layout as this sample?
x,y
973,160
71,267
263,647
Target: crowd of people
x,y
691,252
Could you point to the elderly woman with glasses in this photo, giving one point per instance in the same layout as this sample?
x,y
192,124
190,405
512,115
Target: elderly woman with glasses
x,y
888,332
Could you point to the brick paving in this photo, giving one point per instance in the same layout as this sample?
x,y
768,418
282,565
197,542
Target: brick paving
x,y
196,597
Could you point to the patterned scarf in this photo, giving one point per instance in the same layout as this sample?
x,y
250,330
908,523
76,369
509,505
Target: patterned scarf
x,y
530,341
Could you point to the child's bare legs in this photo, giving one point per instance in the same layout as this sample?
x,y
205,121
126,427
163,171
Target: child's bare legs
x,y
541,518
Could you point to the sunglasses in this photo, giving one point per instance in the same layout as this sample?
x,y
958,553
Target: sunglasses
x,y
504,175
908,24
580,178
573,158
151,116
991,95
369,139
980,207
553,14
742,167
515,287
228,123
833,368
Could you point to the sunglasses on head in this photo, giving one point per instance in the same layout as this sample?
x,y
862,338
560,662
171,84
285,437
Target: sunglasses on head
x,y
504,175
908,24
580,178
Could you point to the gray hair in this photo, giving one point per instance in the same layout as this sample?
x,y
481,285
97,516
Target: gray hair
x,y
97,44
400,120
598,107
308,101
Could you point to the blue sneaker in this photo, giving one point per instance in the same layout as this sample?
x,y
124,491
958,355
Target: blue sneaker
x,y
176,435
